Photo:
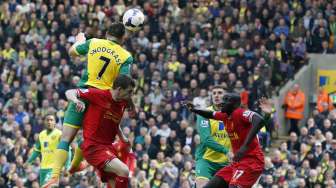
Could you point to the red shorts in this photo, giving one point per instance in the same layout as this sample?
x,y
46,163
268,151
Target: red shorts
x,y
98,155
127,157
243,174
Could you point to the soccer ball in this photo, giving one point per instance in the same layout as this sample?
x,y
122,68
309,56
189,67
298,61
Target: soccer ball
x,y
133,19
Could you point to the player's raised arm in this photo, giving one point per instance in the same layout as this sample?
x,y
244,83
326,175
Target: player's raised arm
x,y
204,113
257,122
208,114
80,47
121,135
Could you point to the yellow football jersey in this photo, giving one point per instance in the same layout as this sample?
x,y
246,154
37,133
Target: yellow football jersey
x,y
47,145
218,134
105,61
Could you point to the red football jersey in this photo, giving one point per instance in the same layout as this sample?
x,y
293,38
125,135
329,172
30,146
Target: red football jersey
x,y
102,118
238,125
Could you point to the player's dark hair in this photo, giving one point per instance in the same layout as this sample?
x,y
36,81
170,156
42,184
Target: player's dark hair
x,y
233,98
117,29
123,81
218,87
49,114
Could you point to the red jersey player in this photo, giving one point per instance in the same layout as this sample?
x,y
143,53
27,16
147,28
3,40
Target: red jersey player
x,y
242,126
101,125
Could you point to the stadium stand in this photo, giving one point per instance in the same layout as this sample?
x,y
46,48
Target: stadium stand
x,y
183,50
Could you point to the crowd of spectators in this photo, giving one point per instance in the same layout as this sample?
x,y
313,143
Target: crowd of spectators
x,y
185,47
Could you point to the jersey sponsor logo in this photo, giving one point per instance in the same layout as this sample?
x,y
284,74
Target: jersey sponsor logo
x,y
221,135
204,123
109,115
233,136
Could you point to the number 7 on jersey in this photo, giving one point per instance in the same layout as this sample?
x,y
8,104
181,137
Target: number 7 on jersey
x,y
106,63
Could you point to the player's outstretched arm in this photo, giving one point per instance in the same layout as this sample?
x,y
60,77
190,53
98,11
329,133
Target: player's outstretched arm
x,y
257,124
121,135
80,47
204,113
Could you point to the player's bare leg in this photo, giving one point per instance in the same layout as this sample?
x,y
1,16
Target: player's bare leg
x,y
201,182
61,155
117,167
120,169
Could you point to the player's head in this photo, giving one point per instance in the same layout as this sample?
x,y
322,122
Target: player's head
x,y
116,32
217,94
123,87
49,121
231,101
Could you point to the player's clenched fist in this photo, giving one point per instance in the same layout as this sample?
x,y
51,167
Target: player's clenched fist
x,y
80,38
80,106
188,105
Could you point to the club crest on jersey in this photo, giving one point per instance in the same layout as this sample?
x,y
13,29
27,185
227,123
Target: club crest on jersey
x,y
204,123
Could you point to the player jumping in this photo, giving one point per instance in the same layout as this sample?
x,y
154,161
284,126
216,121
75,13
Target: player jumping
x,y
106,59
242,126
101,125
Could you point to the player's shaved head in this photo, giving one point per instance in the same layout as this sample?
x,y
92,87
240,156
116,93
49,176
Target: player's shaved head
x,y
231,101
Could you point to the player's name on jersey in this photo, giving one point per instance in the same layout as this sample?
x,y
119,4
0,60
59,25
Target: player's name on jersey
x,y
107,50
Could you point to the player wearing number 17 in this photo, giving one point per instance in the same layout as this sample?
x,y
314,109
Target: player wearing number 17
x,y
106,59
242,126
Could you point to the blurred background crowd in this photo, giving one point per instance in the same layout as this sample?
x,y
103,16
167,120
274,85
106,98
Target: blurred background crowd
x,y
183,50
